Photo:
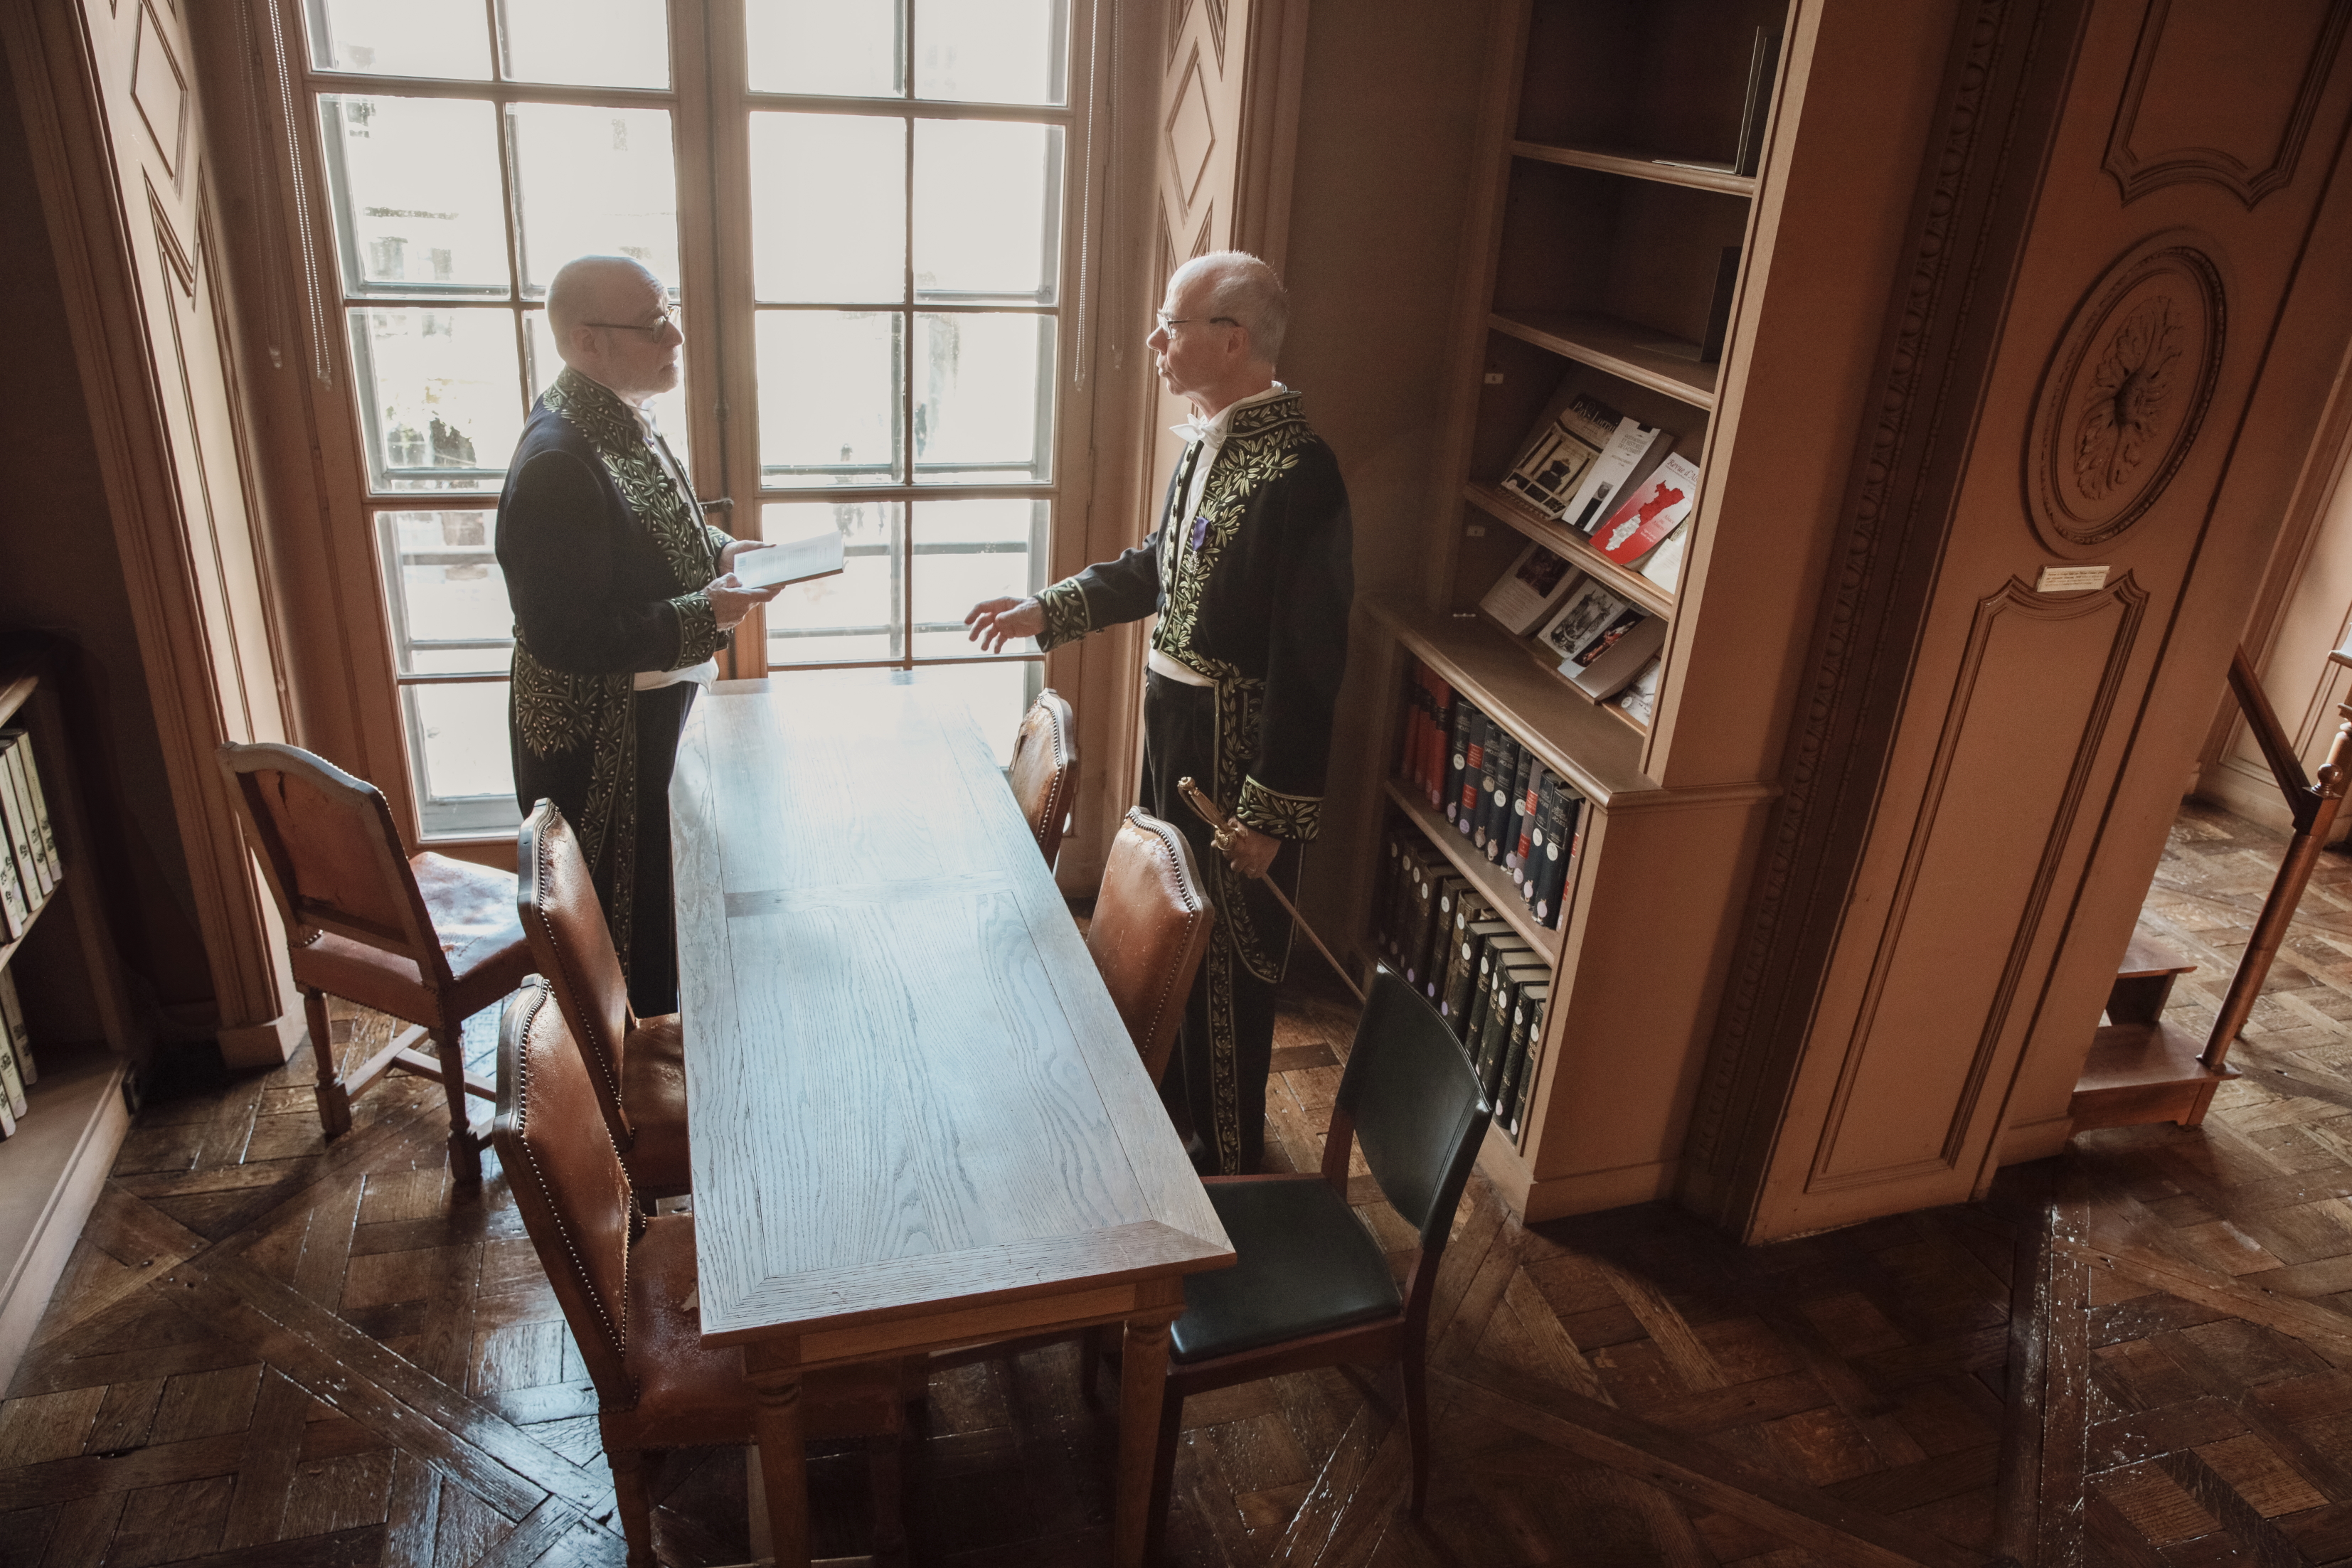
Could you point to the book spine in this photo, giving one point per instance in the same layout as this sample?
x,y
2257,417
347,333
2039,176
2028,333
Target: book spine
x,y
1473,767
1482,819
30,874
1442,699
12,1076
1494,1032
1457,757
1462,970
1499,807
1416,931
1384,890
40,803
1544,850
16,910
12,1020
1530,1065
1450,891
1523,822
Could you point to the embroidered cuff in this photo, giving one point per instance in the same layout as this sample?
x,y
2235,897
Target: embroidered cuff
x,y
1285,816
1066,618
699,636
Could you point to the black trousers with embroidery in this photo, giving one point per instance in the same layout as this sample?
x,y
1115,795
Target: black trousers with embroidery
x,y
1217,1077
652,956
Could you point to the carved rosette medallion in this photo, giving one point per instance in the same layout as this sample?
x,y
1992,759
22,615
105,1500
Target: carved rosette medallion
x,y
2124,394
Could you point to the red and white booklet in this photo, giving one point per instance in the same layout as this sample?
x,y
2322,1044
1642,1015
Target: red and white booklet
x,y
1650,513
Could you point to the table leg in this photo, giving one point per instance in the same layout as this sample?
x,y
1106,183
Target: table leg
x,y
784,1463
1142,1383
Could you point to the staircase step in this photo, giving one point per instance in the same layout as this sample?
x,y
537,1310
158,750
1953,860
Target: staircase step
x,y
2143,1073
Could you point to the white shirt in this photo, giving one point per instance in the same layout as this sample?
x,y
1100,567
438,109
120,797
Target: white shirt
x,y
1211,434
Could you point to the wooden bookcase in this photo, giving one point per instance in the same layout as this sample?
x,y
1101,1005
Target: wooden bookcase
x,y
1599,270
51,1171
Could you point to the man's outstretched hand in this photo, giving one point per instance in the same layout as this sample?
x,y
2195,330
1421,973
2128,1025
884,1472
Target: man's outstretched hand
x,y
996,622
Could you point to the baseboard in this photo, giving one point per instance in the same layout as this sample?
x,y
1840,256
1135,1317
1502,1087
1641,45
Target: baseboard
x,y
1588,1192
262,1044
2035,1140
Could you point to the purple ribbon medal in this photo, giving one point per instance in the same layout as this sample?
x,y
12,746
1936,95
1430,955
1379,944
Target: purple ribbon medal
x,y
1200,530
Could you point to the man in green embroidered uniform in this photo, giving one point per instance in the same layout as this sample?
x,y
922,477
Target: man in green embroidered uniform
x,y
1251,574
622,596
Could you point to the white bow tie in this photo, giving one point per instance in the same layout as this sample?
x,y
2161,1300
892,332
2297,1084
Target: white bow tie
x,y
1192,430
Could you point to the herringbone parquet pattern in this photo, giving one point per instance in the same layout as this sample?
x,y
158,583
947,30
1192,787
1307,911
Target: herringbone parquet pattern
x,y
270,1351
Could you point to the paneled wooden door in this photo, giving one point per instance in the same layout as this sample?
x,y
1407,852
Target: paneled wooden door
x,y
111,83
2124,309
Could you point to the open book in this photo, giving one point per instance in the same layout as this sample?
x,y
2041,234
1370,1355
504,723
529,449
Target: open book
x,y
819,554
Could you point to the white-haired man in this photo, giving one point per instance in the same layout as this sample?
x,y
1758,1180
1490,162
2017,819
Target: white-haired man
x,y
622,597
1251,574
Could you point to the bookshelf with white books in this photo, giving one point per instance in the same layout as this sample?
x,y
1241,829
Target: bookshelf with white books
x,y
69,1118
1629,160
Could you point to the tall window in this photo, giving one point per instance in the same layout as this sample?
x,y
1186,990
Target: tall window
x,y
875,345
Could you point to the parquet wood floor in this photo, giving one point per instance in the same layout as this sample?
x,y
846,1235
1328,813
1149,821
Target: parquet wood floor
x,y
270,1351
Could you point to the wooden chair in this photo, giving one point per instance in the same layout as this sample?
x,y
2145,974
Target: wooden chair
x,y
1313,1288
1044,771
1151,923
626,1285
428,939
638,1066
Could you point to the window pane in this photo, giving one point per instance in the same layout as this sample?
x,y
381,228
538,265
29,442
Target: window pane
x,y
829,208
449,610
828,397
988,209
416,183
592,42
996,693
401,38
991,51
458,749
668,409
594,182
984,398
440,402
849,48
964,552
849,617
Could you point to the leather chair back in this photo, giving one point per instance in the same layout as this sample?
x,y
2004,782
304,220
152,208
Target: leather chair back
x,y
1151,923
1044,771
330,854
573,945
1417,1108
568,1182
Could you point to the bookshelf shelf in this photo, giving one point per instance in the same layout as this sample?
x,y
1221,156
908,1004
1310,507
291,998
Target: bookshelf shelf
x,y
1637,166
1493,881
1573,737
1566,542
1635,353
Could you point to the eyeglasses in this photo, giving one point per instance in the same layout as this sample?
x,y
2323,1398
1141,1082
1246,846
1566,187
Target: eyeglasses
x,y
1168,324
669,319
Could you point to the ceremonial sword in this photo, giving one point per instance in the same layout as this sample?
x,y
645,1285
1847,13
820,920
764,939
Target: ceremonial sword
x,y
1207,810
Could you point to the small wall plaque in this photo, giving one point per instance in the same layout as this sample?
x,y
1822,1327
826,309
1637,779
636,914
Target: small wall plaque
x,y
2070,579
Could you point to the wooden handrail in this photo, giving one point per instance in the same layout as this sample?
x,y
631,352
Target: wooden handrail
x,y
2313,804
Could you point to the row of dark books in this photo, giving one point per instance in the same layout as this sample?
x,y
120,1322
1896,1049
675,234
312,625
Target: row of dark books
x,y
1436,928
1517,813
16,1057
29,868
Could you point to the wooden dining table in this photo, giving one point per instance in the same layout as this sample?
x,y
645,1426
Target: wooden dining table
x,y
919,1122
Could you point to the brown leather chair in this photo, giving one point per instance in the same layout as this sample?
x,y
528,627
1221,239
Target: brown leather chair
x,y
638,1066
627,1283
428,939
1044,771
1151,923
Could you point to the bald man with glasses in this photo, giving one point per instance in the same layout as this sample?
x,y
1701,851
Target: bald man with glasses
x,y
1251,574
622,597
